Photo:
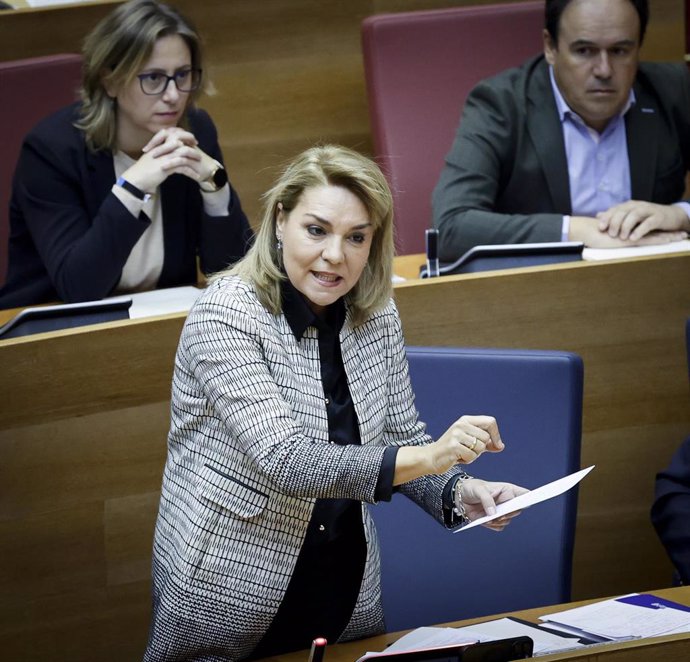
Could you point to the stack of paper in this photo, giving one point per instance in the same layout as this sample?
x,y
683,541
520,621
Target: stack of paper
x,y
628,617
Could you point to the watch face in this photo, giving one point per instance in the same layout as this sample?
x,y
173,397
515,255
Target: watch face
x,y
220,178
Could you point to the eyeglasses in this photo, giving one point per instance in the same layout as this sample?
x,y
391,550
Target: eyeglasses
x,y
156,82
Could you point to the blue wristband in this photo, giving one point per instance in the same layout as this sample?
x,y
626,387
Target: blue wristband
x,y
130,188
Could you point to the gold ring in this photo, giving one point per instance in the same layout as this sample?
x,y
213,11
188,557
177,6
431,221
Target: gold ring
x,y
474,443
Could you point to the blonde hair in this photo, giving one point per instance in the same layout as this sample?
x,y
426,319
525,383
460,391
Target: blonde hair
x,y
321,166
115,51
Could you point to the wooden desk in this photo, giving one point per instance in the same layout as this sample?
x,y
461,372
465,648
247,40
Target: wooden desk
x,y
658,649
85,413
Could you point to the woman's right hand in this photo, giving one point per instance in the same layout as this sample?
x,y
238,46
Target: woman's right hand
x,y
462,443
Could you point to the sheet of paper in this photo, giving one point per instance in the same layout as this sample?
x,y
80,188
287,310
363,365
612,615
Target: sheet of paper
x,y
429,637
533,497
163,302
635,251
616,619
49,3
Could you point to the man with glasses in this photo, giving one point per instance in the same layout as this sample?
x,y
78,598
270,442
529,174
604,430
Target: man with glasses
x,y
126,189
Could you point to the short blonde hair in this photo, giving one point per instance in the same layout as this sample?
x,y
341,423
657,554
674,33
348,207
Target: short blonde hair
x,y
319,166
116,50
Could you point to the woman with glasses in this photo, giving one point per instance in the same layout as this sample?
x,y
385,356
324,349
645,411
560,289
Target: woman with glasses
x,y
123,191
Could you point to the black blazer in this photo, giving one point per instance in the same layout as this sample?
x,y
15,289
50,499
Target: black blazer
x,y
506,176
70,236
671,510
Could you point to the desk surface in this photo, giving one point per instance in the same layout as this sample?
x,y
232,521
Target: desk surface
x,y
659,649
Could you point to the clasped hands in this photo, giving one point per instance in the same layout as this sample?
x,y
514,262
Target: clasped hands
x,y
632,223
169,151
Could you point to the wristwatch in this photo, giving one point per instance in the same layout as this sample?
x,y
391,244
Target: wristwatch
x,y
130,188
216,180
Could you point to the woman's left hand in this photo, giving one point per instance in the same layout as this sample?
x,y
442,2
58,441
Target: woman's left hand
x,y
481,496
179,152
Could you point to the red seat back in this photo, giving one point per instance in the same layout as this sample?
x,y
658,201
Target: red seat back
x,y
30,90
420,67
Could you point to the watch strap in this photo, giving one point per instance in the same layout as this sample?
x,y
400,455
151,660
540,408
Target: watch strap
x,y
130,188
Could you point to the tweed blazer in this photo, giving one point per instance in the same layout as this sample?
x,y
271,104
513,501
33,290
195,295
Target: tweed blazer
x,y
505,179
248,455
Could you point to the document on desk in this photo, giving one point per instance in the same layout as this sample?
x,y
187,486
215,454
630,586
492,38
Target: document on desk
x,y
628,617
163,302
533,497
635,251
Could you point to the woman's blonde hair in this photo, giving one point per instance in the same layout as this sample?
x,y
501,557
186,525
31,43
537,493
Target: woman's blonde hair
x,y
320,166
114,53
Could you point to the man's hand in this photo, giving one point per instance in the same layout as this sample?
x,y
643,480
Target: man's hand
x,y
586,230
636,219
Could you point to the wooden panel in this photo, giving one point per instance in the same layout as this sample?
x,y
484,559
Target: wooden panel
x,y
82,441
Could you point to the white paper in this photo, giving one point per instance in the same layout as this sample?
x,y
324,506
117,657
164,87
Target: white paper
x,y
533,497
163,302
635,251
50,3
429,637
619,620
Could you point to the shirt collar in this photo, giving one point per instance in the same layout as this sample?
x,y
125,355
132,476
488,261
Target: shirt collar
x,y
564,109
300,316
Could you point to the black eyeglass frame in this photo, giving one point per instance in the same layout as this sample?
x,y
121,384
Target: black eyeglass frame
x,y
195,80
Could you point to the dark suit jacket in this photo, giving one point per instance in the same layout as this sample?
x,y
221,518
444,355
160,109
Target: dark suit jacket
x,y
70,236
671,510
506,177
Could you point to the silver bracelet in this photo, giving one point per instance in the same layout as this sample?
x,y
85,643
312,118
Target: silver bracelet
x,y
458,506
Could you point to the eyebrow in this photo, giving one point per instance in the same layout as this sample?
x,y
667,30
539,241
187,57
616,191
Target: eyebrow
x,y
362,226
587,42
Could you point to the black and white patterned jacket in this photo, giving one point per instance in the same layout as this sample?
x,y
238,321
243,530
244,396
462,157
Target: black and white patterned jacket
x,y
248,454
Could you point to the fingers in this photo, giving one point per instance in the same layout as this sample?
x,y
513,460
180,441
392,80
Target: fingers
x,y
484,428
171,135
635,219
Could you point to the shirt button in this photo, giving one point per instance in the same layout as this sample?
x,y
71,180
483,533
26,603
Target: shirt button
x,y
322,527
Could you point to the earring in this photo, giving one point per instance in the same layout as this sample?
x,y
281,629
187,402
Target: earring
x,y
279,244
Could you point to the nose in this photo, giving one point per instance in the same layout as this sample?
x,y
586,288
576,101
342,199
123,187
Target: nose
x,y
333,250
171,93
602,67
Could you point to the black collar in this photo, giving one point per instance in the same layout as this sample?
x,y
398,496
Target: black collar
x,y
300,316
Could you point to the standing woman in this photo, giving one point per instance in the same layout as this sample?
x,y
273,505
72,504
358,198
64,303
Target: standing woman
x,y
122,191
291,409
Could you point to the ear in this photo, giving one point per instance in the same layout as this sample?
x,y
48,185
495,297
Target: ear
x,y
108,85
281,218
549,47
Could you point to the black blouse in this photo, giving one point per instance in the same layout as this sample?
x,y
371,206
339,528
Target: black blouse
x,y
323,589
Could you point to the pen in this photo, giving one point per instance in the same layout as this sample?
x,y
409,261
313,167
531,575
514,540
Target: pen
x,y
432,269
318,648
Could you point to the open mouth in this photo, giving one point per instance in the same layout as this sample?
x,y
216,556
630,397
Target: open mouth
x,y
326,279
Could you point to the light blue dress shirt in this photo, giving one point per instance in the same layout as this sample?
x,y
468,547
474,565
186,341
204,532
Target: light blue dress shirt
x,y
598,165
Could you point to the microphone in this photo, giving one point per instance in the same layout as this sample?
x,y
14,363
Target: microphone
x,y
432,267
318,648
